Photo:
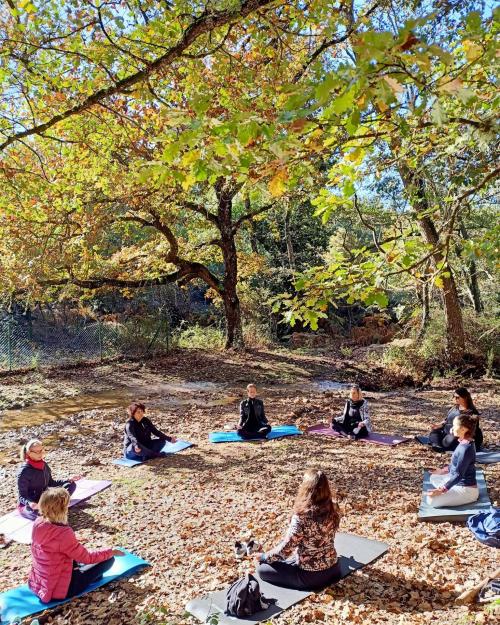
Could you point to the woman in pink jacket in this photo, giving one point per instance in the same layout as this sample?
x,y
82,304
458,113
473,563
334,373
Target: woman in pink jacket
x,y
56,552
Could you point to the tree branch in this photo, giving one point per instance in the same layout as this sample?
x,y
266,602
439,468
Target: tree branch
x,y
204,23
201,210
329,43
251,215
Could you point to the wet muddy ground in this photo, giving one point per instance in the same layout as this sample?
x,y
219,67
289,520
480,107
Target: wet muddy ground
x,y
184,512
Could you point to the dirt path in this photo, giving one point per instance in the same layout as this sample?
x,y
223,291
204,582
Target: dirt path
x,y
184,513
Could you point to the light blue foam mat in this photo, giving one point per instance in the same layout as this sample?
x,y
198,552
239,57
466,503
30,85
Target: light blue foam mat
x,y
233,437
20,602
427,512
485,456
168,448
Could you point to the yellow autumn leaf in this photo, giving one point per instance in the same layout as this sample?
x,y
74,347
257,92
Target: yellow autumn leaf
x,y
472,50
451,86
277,184
394,84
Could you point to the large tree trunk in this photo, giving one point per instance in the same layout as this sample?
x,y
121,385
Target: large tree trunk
x,y
455,335
232,309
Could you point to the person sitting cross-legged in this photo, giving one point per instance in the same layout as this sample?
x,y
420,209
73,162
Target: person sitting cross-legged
x,y
253,422
34,477
56,571
306,558
138,442
455,485
355,419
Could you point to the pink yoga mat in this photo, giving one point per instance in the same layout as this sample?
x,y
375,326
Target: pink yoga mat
x,y
373,437
15,527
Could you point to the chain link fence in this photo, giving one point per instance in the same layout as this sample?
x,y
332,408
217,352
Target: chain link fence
x,y
25,343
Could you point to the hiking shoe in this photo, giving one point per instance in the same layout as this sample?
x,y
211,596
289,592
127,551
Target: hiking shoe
x,y
240,549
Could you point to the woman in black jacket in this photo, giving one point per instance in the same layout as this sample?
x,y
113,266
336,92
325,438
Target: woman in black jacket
x,y
138,443
441,437
34,477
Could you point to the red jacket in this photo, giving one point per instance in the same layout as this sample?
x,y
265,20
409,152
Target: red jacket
x,y
54,547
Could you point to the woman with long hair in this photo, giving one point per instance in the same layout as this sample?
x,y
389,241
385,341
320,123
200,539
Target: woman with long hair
x,y
441,437
306,557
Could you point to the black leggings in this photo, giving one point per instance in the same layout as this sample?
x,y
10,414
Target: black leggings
x,y
80,580
437,438
440,438
288,574
154,451
261,433
342,429
32,515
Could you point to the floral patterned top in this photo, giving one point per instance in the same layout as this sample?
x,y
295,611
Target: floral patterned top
x,y
310,541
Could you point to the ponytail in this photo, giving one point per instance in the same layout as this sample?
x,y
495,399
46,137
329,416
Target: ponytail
x,y
468,420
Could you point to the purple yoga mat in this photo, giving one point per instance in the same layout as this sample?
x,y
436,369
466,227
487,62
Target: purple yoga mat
x,y
15,527
373,437
86,489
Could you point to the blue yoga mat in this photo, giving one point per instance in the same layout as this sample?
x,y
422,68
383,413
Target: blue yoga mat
x,y
168,448
486,456
234,437
20,602
427,512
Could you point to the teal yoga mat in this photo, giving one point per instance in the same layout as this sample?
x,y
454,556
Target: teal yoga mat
x,y
168,448
20,602
233,437
458,513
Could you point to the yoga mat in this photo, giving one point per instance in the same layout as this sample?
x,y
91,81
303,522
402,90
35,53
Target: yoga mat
x,y
458,513
168,448
233,437
354,552
485,456
15,527
373,437
20,602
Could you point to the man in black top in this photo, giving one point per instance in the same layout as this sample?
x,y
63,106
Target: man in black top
x,y
253,422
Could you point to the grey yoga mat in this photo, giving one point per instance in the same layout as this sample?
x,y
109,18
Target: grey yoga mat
x,y
485,456
354,552
458,513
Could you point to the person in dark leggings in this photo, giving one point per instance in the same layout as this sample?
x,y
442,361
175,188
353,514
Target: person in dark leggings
x,y
306,558
83,576
138,442
253,422
34,477
355,420
56,551
441,437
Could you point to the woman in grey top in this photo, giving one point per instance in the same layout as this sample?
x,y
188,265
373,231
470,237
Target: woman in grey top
x,y
441,437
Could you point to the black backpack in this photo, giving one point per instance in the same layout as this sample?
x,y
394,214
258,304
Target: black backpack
x,y
244,598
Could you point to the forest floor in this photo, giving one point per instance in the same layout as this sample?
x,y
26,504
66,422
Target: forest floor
x,y
183,513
